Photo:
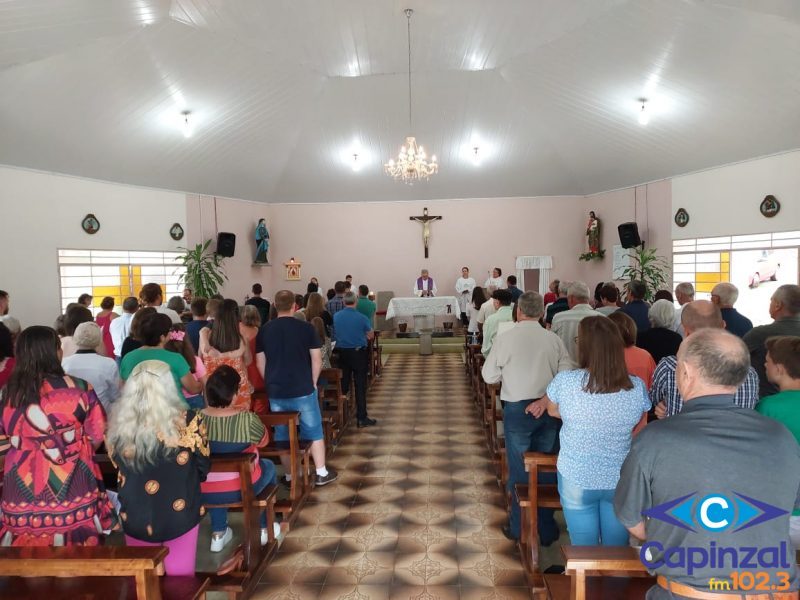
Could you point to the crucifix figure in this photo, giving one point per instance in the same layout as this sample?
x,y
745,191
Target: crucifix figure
x,y
425,219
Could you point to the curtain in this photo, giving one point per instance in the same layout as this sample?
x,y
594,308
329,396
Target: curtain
x,y
543,263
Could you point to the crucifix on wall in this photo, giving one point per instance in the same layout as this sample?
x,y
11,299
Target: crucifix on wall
x,y
425,219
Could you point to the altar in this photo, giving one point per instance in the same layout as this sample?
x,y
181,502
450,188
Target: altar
x,y
423,310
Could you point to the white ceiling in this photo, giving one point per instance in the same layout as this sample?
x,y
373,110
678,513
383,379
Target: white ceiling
x,y
283,92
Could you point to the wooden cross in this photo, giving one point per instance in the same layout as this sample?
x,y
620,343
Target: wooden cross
x,y
425,219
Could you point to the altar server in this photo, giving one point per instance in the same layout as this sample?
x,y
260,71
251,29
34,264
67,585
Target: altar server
x,y
496,280
464,286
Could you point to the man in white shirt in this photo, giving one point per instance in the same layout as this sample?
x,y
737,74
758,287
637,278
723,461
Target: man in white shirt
x,y
502,304
525,360
424,286
151,295
486,310
120,327
565,324
684,293
100,371
464,286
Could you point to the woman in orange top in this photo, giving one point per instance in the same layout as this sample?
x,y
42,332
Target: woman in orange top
x,y
222,344
638,361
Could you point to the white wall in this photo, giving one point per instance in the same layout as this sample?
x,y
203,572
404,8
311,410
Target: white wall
x,y
725,200
42,212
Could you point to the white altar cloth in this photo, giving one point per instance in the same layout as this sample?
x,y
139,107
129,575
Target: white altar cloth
x,y
417,307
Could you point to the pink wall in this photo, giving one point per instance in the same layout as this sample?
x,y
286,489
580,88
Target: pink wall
x,y
379,246
207,215
649,205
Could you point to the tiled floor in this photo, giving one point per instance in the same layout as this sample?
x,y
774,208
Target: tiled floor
x,y
416,512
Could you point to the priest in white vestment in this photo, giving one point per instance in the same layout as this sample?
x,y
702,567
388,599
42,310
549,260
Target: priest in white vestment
x,y
424,286
464,286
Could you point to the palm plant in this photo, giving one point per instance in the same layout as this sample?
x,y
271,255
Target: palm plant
x,y
649,268
204,270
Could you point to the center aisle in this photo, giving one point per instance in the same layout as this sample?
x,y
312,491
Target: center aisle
x,y
416,512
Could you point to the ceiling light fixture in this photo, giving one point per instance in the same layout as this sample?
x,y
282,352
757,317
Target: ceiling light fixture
x,y
644,114
356,164
476,159
186,123
412,163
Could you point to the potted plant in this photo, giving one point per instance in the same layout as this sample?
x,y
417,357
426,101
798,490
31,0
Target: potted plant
x,y
649,268
204,270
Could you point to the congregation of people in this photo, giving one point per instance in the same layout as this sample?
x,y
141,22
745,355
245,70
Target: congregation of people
x,y
642,402
161,389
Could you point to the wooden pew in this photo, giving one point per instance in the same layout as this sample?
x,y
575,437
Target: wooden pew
x,y
600,572
478,385
531,497
299,454
251,557
375,357
334,407
93,572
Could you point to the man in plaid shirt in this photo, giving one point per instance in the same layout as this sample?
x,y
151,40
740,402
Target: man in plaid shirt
x,y
664,392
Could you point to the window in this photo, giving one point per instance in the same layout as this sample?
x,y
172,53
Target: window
x,y
116,273
756,264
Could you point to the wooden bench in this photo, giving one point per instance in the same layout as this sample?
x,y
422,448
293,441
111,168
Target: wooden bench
x,y
251,556
376,357
600,572
93,572
531,497
299,453
333,406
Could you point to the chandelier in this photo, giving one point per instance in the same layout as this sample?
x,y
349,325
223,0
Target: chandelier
x,y
412,163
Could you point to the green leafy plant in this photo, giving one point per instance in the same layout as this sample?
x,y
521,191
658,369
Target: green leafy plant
x,y
204,270
587,256
649,268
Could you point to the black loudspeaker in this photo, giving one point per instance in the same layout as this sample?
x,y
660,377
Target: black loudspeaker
x,y
226,243
629,235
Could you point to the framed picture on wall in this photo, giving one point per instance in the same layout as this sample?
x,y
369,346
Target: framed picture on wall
x,y
90,224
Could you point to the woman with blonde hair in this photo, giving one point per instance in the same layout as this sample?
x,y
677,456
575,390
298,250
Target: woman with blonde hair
x,y
162,455
223,344
315,307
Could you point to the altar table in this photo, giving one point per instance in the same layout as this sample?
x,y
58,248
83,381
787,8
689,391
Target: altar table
x,y
422,307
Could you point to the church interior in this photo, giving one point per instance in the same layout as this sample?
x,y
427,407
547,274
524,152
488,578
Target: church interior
x,y
446,175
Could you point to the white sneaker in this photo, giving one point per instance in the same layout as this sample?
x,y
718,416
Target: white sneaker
x,y
218,542
276,528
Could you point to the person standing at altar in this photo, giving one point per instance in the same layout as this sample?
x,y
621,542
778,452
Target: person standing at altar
x,y
425,285
496,280
464,286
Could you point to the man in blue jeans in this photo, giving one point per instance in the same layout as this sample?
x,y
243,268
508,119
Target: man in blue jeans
x,y
288,352
524,360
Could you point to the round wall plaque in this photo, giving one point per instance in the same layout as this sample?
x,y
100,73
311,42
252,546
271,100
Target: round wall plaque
x,y
90,224
176,231
770,206
681,217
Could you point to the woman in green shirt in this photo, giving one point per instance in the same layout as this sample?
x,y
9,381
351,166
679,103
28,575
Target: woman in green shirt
x,y
153,331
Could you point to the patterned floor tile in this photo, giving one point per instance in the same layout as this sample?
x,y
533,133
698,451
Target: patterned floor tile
x,y
416,512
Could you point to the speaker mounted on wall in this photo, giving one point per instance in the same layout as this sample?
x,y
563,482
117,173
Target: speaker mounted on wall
x,y
226,244
629,235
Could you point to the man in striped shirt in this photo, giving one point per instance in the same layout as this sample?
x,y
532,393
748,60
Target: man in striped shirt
x,y
695,315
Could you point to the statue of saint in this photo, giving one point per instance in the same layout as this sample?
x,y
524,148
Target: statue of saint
x,y
262,242
593,233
